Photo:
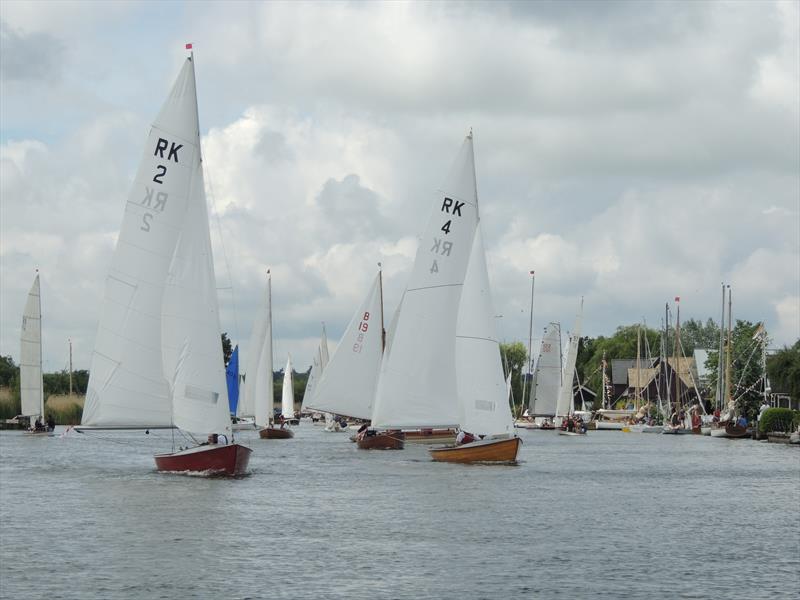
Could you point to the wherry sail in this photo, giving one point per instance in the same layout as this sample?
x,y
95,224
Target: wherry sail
x,y
157,360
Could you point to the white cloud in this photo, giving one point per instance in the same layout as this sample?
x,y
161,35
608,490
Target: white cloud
x,y
628,154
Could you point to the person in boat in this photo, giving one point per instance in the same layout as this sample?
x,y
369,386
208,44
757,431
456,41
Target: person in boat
x,y
570,424
715,418
580,424
38,426
51,423
741,421
362,432
282,421
464,437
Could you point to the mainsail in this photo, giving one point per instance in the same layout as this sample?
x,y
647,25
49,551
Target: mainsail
x,y
347,384
127,385
565,396
318,365
547,375
287,397
482,387
417,384
257,399
30,364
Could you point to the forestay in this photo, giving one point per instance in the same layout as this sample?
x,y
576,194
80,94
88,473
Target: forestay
x,y
482,387
347,385
127,384
30,363
547,377
417,384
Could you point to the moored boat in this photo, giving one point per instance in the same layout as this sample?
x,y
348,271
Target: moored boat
x,y
482,451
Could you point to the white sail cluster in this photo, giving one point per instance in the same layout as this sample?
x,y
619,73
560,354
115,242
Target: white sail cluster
x,y
257,398
157,360
546,384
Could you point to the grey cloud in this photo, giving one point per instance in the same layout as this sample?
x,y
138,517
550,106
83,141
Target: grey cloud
x,y
28,56
272,147
355,209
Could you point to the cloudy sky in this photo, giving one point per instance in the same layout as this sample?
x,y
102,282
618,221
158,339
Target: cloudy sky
x,y
628,152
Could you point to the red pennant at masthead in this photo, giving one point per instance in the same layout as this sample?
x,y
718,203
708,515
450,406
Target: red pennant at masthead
x,y
188,46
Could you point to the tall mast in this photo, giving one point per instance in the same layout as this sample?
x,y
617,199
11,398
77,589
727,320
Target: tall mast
x,y
271,365
530,343
380,288
638,388
720,372
728,392
677,354
603,379
41,370
70,366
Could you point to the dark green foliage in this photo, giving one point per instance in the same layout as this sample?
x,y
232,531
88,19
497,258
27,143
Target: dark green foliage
x,y
779,419
8,371
227,348
58,382
694,334
783,369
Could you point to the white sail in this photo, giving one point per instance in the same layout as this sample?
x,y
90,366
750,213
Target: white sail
x,y
30,364
482,387
318,364
565,396
417,385
258,337
190,332
347,385
127,385
263,389
287,398
547,375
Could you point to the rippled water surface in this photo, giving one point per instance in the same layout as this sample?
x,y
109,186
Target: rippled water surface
x,y
611,515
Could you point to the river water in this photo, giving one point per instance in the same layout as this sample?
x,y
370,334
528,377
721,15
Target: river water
x,y
611,515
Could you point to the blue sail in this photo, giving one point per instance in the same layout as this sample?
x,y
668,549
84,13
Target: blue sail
x,y
232,377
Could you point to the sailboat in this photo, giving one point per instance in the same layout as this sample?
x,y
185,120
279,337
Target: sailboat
x,y
417,383
347,384
232,382
31,387
255,407
318,365
157,361
565,406
481,384
727,426
287,408
546,383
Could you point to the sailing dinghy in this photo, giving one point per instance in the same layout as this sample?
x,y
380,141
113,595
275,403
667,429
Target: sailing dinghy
x,y
157,361
481,384
31,387
270,432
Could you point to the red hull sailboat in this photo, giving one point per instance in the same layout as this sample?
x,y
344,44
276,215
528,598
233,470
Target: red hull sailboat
x,y
214,459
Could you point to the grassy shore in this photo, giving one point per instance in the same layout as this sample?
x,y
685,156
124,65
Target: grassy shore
x,y
65,409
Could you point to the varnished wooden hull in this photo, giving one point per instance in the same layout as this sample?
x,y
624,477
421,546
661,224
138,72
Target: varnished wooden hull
x,y
275,433
431,436
731,430
485,451
231,460
389,440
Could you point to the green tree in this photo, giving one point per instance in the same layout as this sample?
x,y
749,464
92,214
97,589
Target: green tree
x,y
514,356
227,348
8,371
783,369
695,334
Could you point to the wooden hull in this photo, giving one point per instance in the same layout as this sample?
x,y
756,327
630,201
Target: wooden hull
x,y
729,431
431,436
231,460
485,451
275,433
390,440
